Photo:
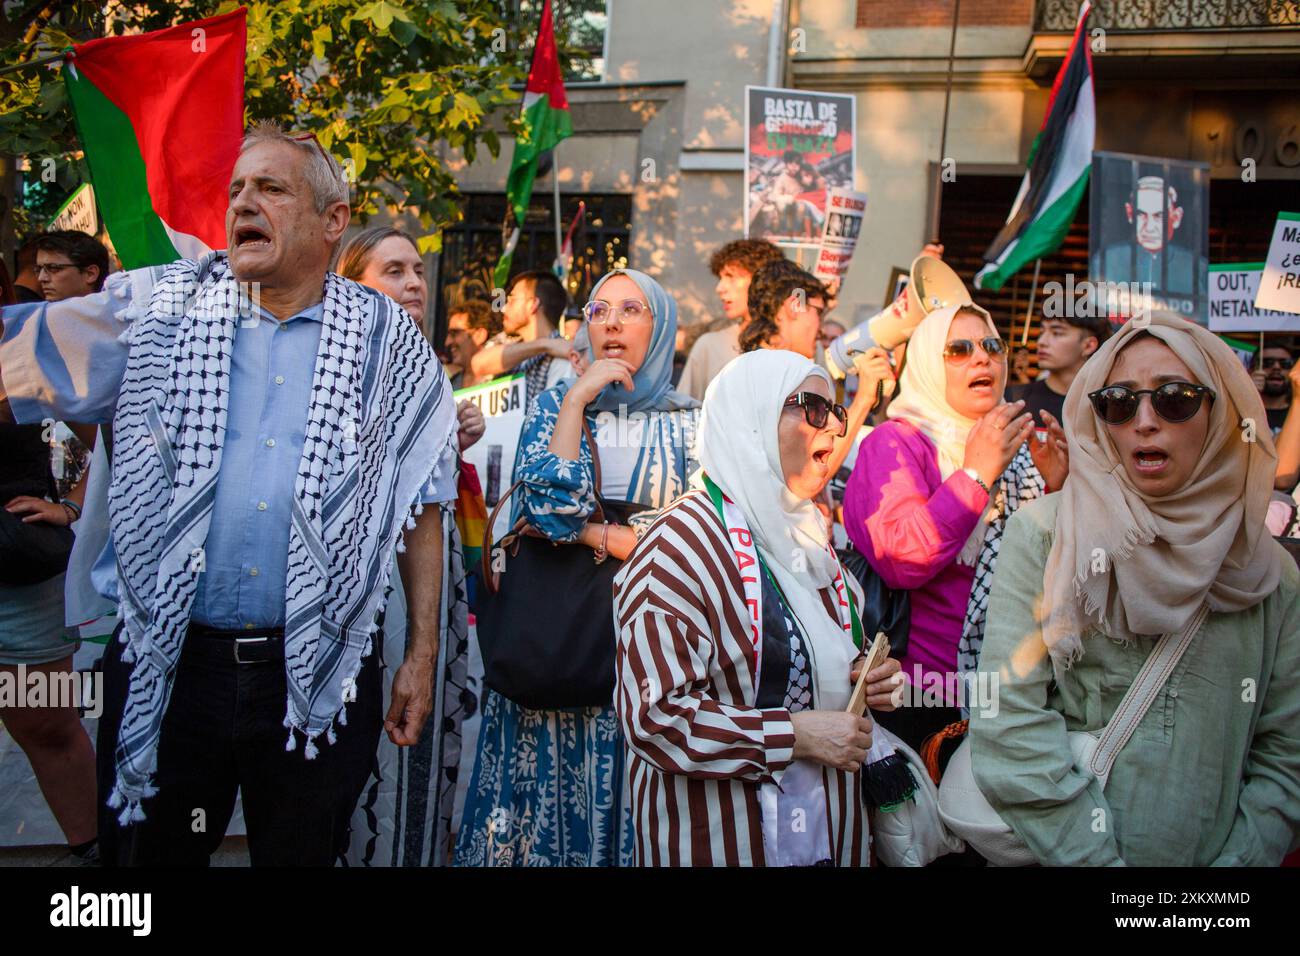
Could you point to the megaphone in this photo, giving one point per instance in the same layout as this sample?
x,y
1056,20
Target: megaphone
x,y
932,285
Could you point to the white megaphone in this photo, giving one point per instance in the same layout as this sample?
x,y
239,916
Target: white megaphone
x,y
933,285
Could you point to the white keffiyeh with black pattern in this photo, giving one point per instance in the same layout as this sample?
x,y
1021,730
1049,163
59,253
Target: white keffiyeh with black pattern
x,y
380,415
1021,482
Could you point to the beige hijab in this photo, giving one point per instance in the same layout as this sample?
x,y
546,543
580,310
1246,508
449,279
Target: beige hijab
x,y
1148,565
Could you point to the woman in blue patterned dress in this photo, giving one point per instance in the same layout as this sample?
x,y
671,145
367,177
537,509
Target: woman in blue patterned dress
x,y
547,788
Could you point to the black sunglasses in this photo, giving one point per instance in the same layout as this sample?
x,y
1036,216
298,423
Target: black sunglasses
x,y
1173,401
1282,363
817,408
960,350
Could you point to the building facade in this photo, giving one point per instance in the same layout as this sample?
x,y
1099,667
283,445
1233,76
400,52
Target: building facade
x,y
658,150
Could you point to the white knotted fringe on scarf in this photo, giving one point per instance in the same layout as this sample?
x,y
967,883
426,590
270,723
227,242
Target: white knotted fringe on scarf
x,y
380,415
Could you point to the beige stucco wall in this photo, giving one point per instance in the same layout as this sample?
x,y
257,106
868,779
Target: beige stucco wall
x,y
716,46
674,93
899,132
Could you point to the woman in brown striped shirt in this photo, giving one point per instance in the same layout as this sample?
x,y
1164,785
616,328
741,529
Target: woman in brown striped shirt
x,y
738,641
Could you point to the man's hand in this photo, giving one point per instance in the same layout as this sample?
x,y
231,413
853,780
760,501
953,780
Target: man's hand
x,y
412,699
1294,378
38,510
421,569
558,348
469,424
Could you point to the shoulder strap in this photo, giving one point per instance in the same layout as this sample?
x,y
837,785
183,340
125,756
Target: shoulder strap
x,y
492,578
1150,679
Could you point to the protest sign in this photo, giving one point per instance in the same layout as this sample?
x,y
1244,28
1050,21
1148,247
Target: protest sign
x,y
78,212
798,144
1148,242
845,210
1244,351
493,456
1233,287
1279,288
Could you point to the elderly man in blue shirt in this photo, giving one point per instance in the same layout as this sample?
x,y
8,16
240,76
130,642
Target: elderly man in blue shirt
x,y
277,432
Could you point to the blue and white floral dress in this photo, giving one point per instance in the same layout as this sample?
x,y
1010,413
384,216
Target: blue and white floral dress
x,y
548,785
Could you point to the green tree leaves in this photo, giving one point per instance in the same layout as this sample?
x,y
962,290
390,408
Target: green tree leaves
x,y
383,84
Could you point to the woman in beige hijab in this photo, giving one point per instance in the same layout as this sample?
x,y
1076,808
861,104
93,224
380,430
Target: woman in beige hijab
x,y
1171,466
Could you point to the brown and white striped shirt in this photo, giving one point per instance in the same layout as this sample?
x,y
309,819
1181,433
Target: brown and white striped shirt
x,y
698,746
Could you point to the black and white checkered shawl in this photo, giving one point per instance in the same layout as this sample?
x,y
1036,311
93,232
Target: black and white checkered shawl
x,y
1021,482
380,414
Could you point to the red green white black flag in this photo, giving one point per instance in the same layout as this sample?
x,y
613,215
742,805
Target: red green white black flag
x,y
160,116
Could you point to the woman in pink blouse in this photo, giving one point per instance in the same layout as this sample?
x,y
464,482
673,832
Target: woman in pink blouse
x,y
929,495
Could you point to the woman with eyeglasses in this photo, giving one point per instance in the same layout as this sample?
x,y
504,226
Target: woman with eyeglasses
x,y
547,788
1171,472
738,640
928,499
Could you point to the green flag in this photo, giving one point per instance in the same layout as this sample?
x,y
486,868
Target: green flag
x,y
546,121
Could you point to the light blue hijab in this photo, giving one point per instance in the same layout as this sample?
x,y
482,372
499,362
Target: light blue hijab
x,y
653,381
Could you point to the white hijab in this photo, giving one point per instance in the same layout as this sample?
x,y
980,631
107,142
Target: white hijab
x,y
923,401
740,451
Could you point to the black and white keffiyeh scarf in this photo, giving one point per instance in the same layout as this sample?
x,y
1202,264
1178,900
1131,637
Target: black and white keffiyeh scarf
x,y
1021,482
380,415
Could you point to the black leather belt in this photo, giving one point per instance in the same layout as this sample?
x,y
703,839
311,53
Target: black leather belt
x,y
248,646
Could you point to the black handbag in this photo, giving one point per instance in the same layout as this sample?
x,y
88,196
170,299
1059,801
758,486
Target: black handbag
x,y
883,608
32,553
546,625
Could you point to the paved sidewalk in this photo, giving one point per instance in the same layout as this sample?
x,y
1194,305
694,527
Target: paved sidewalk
x,y
233,852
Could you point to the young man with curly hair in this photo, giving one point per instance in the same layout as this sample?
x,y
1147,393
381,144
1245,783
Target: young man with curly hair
x,y
734,264
785,309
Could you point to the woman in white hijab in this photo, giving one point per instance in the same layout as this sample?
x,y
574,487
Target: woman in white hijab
x,y
1172,464
737,642
928,499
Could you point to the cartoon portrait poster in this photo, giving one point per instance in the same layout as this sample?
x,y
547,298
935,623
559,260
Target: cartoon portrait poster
x,y
1149,237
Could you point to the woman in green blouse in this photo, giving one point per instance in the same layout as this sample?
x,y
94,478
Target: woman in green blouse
x,y
1171,467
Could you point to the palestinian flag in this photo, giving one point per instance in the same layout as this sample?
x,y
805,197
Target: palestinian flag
x,y
1059,163
546,121
160,116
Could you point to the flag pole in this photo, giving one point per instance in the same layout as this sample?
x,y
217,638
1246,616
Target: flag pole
x,y
1029,310
943,135
555,184
39,61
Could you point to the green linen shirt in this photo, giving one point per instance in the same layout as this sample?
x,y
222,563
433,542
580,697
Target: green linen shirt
x,y
1211,775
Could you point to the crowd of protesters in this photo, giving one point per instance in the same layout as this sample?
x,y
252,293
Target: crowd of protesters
x,y
282,500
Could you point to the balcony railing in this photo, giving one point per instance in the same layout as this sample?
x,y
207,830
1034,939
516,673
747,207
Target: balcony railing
x,y
1059,16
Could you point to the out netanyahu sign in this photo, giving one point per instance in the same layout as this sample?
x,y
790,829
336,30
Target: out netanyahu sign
x,y
78,212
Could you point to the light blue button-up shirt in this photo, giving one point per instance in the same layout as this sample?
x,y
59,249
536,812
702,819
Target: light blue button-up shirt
x,y
272,367
247,551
